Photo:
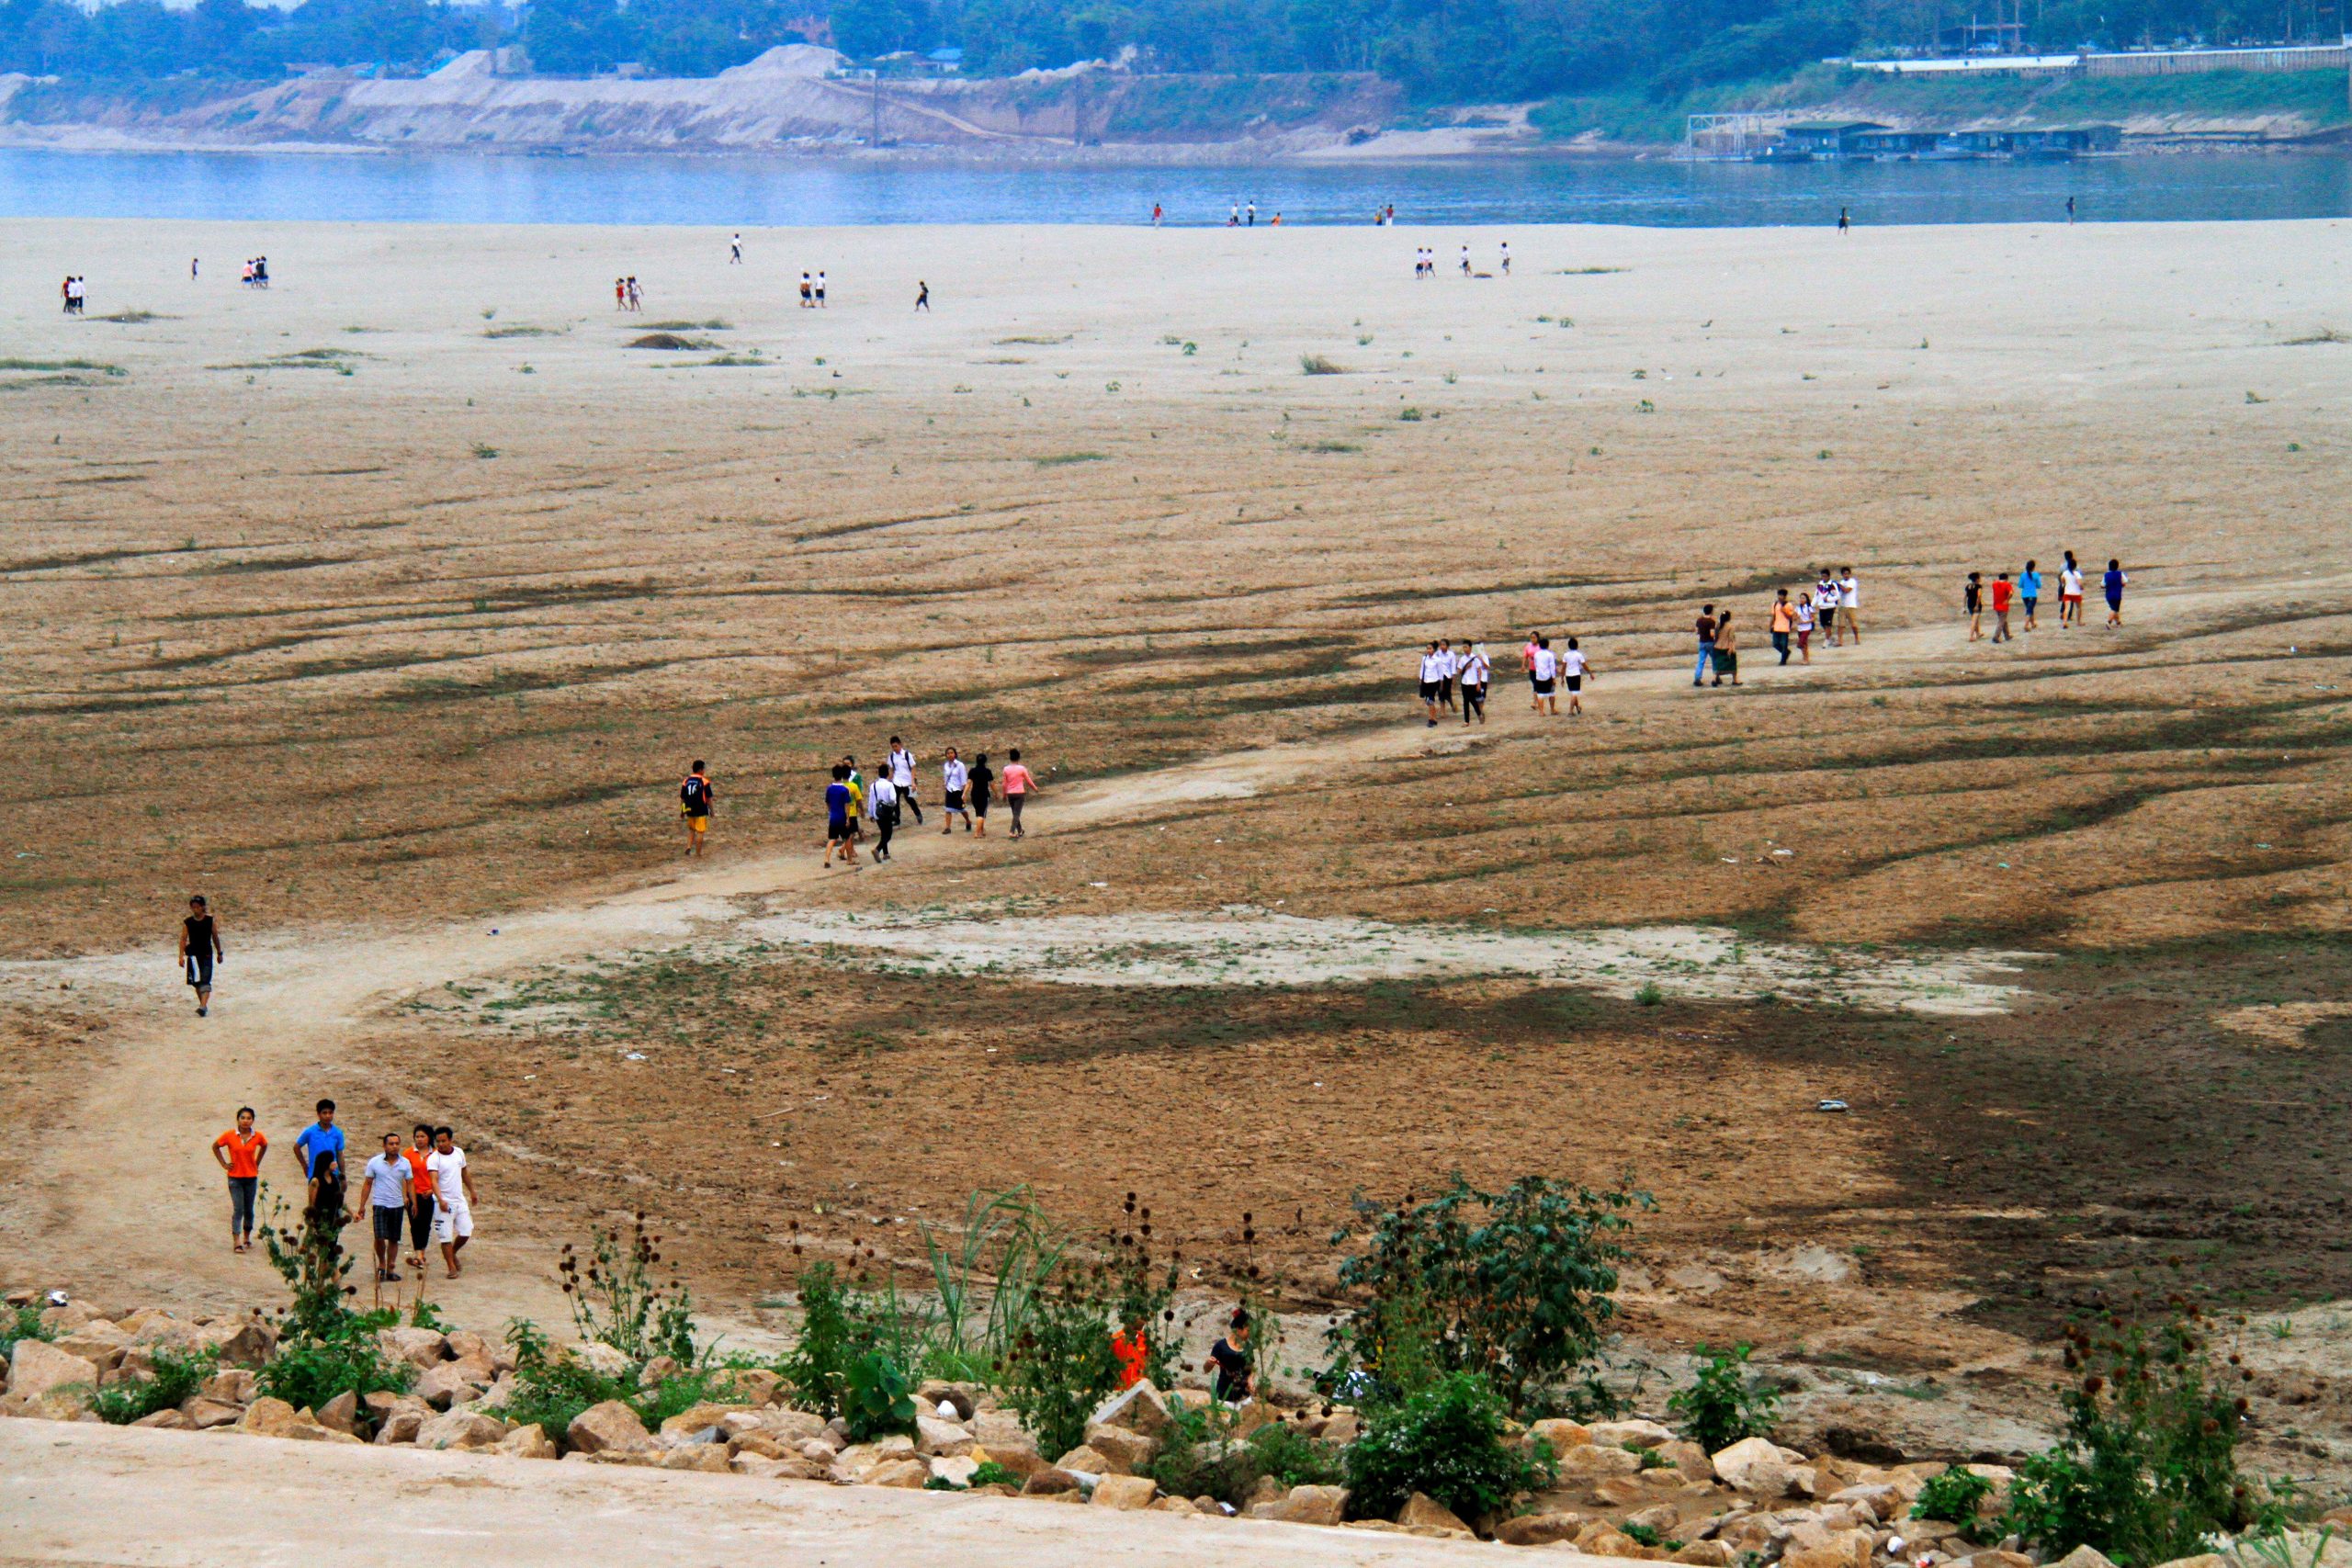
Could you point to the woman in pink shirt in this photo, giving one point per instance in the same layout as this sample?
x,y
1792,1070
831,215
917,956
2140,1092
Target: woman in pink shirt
x,y
1019,785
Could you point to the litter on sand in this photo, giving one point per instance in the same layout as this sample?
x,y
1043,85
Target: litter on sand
x,y
1831,1105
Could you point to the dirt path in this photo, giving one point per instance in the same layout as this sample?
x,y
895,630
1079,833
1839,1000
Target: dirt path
x,y
293,1002
97,1495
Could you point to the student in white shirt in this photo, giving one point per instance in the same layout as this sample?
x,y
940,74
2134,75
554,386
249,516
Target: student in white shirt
x,y
1547,676
453,1197
902,778
1449,666
1432,678
1574,667
1805,618
882,800
1476,670
2070,594
1850,600
953,777
1825,603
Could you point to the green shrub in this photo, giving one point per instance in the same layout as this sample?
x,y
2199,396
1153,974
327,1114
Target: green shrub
x,y
615,1301
550,1389
323,1349
1197,1456
1515,1285
992,1474
2146,1469
1722,1406
876,1402
174,1381
831,1340
1294,1459
23,1323
1446,1441
1953,1497
1062,1367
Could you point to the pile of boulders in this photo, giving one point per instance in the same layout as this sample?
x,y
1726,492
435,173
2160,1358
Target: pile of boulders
x,y
1628,1489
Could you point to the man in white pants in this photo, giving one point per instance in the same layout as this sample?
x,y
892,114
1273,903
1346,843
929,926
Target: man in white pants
x,y
453,1197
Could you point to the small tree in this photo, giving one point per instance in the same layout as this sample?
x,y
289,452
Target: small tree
x,y
1062,1367
1724,1405
324,1348
2147,1468
616,1299
1446,1441
1515,1285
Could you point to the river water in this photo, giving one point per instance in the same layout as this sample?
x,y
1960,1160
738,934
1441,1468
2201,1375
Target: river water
x,y
744,192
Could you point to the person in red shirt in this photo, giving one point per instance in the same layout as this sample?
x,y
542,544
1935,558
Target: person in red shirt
x,y
1019,785
420,1207
240,1152
1130,1351
2002,588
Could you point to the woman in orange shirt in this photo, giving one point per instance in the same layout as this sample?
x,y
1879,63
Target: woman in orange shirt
x,y
240,1152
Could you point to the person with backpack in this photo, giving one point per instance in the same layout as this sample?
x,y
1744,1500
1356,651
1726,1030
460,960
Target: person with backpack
x,y
694,807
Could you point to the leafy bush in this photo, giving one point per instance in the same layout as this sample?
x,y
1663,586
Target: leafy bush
x,y
1446,1441
1062,1369
1294,1459
875,1401
174,1381
831,1339
2148,1467
1722,1406
324,1348
681,1392
23,1323
616,1302
1953,1497
1515,1285
992,1474
551,1388
1197,1456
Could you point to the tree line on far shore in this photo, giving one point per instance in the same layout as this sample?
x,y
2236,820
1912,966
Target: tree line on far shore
x,y
1438,51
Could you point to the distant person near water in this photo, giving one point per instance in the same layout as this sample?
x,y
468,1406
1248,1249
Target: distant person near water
x,y
1845,220
735,250
240,1152
1155,215
820,288
923,296
1506,261
199,950
807,299
2070,209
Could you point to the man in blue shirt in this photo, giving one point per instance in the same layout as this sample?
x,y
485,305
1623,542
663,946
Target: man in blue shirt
x,y
322,1137
2030,590
838,796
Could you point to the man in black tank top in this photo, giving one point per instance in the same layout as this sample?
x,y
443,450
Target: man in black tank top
x,y
199,946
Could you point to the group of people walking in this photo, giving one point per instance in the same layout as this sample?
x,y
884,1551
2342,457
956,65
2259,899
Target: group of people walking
x,y
1425,262
1976,595
884,799
72,292
423,1194
1448,673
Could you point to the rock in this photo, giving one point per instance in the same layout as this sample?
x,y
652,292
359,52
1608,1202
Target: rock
x,y
709,1458
1562,1435
402,1424
789,1467
1020,1456
1664,1519
1138,1409
1129,1451
908,1473
268,1417
241,1341
1619,1490
791,1425
697,1423
757,1385
657,1371
2089,1557
932,1392
609,1428
941,1439
67,1318
1539,1530
1253,1415
1609,1543
1757,1467
956,1470
600,1358
1344,1428
35,1367
202,1414
757,1443
1881,1502
1637,1434
418,1347
1268,1490
1840,1549
994,1428
231,1385
1705,1554
1175,1505
818,1451
2005,1560
1580,1463
100,1344
341,1414
1129,1493
1690,1460
461,1429
1423,1512
1305,1506
445,1383
529,1441
1086,1460
169,1419
1049,1482
311,1432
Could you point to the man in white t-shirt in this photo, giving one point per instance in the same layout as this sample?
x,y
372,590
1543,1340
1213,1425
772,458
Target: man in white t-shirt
x,y
1850,600
1432,678
953,778
902,778
1825,603
1547,676
453,1197
1449,665
1574,667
